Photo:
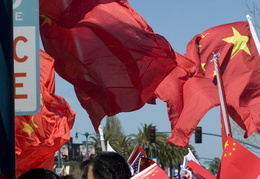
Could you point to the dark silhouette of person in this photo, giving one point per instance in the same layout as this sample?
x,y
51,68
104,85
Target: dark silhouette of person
x,y
107,165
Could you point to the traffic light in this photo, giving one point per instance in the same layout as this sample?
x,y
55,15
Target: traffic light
x,y
198,135
152,132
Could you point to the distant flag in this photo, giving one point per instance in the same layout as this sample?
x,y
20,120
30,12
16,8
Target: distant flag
x,y
137,150
109,148
145,163
54,166
152,172
188,158
136,163
238,162
62,172
185,171
199,172
135,157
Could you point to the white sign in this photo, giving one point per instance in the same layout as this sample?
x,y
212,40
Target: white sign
x,y
26,57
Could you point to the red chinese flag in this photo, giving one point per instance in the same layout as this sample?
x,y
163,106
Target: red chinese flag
x,y
239,67
188,100
152,172
108,52
145,163
39,136
199,171
238,162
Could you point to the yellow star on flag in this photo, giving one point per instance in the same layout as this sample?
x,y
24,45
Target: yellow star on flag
x,y
197,47
239,41
27,129
32,123
41,101
203,66
47,20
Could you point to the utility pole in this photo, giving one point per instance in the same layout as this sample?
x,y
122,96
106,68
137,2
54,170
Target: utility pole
x,y
86,135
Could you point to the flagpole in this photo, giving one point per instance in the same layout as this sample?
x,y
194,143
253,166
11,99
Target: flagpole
x,y
223,104
253,32
102,138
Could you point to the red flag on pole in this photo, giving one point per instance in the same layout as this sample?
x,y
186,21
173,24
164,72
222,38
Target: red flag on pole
x,y
39,136
238,162
108,52
188,100
145,163
152,172
239,67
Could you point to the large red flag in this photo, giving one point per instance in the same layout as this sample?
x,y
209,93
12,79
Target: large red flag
x,y
238,162
239,67
39,136
188,100
108,52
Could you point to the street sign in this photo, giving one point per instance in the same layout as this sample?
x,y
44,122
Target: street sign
x,y
26,56
208,162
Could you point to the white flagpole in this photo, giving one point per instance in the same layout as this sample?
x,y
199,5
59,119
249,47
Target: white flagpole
x,y
253,32
102,138
221,95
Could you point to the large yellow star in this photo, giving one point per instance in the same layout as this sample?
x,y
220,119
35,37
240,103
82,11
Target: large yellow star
x,y
226,144
239,41
27,129
47,20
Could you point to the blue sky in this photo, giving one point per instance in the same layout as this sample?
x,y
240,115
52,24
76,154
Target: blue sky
x,y
178,22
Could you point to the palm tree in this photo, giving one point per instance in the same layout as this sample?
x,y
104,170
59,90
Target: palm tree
x,y
123,146
213,167
168,155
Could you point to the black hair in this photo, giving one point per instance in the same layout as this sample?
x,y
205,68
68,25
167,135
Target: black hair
x,y
39,173
109,165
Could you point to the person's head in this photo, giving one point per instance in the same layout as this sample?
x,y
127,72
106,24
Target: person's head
x,y
39,173
107,165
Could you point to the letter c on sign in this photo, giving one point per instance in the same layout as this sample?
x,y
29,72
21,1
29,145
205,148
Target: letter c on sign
x,y
17,4
16,40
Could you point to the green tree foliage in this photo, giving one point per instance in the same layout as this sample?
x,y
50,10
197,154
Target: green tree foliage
x,y
213,167
168,155
113,129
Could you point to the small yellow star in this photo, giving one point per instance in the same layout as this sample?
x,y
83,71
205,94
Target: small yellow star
x,y
203,36
239,41
214,73
197,47
142,162
41,101
203,66
32,123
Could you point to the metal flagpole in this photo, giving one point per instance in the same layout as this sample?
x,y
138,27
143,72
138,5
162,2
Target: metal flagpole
x,y
7,132
253,32
222,95
102,138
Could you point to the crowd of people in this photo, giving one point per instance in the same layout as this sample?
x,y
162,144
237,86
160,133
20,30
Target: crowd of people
x,y
103,165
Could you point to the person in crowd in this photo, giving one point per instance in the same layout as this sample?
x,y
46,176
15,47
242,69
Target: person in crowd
x,y
43,173
107,165
39,173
